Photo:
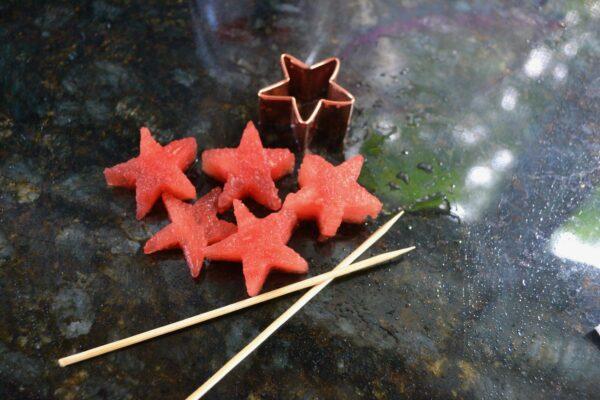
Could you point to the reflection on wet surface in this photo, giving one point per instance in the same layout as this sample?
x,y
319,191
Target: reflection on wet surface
x,y
578,239
480,118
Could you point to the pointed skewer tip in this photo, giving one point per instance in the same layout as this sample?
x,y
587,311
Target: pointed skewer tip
x,y
400,252
398,215
283,318
392,221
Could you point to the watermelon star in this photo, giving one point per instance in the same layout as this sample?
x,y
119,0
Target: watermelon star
x,y
248,170
260,244
155,171
330,194
192,228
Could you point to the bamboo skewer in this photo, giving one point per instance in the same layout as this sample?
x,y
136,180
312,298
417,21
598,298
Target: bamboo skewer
x,y
294,287
264,335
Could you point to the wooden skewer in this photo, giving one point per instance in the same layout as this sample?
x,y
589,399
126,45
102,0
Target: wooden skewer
x,y
294,287
250,347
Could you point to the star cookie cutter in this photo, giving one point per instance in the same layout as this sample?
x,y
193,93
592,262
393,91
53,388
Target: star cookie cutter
x,y
308,100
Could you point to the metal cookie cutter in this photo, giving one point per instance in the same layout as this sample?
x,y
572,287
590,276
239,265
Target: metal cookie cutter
x,y
308,100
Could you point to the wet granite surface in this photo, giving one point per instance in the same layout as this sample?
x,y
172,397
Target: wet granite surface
x,y
480,117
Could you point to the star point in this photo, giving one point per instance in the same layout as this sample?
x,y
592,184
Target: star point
x,y
248,170
331,194
260,245
193,227
155,171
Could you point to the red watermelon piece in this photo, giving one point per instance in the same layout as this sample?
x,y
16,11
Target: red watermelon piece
x,y
248,170
192,228
330,194
260,245
155,171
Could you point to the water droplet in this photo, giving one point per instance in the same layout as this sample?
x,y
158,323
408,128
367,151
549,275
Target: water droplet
x,y
403,176
425,167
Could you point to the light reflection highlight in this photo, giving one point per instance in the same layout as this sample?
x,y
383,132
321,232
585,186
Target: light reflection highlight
x,y
567,245
595,9
458,210
509,99
560,72
538,61
480,176
571,48
470,210
468,135
572,18
502,159
393,137
211,16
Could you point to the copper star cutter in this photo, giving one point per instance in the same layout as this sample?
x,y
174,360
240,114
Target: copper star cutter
x,y
310,102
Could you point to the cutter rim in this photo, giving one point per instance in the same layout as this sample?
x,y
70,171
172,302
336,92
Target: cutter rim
x,y
263,93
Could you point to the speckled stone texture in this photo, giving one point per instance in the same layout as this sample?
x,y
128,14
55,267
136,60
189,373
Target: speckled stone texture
x,y
482,118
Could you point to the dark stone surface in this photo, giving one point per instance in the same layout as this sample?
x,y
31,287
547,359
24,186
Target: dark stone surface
x,y
499,98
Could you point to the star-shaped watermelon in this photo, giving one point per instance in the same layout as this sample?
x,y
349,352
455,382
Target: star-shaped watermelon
x,y
155,171
248,170
192,228
260,245
330,194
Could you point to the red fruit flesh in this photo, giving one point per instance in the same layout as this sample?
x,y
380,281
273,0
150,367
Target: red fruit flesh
x,y
248,170
155,171
331,195
192,228
260,245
